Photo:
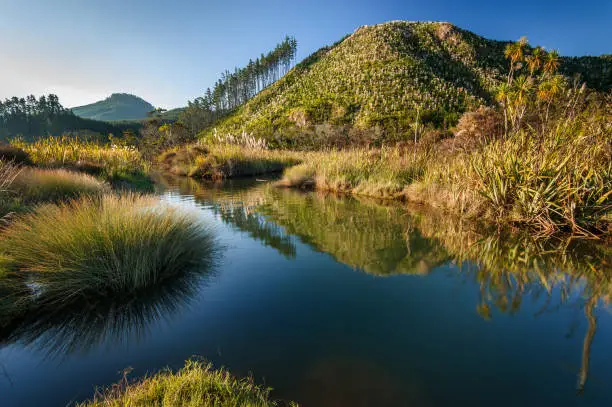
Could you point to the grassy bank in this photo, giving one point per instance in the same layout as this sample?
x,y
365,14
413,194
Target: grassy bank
x,y
114,245
106,160
557,180
219,161
197,384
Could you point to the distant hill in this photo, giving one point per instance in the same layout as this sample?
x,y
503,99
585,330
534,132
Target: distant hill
x,y
117,107
378,77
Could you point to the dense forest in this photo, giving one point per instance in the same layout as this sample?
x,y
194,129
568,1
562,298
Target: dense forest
x,y
30,117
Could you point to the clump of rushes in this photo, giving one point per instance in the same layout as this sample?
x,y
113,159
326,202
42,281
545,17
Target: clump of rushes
x,y
34,185
197,384
109,246
225,161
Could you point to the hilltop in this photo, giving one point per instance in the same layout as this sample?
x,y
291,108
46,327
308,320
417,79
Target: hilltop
x,y
372,83
118,106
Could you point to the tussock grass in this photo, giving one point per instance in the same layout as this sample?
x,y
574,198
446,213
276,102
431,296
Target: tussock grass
x,y
88,156
34,185
225,161
197,384
114,245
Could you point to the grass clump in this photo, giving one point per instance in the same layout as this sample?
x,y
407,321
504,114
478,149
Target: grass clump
x,y
113,245
221,161
197,384
34,185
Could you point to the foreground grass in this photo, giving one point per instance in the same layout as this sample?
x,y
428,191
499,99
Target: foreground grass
x,y
225,161
34,185
197,384
92,247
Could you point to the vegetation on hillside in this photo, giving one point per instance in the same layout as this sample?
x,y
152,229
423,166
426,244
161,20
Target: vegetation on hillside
x,y
549,167
376,85
197,384
118,106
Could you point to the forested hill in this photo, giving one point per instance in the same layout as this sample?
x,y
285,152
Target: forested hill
x,y
118,106
378,78
31,118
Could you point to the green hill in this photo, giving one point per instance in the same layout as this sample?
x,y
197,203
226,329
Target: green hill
x,y
118,106
371,84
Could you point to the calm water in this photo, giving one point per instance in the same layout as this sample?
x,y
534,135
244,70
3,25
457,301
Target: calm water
x,y
344,302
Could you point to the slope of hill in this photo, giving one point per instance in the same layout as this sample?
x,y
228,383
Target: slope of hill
x,y
118,106
375,80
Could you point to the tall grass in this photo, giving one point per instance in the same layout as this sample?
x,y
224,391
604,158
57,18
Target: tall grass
x,y
221,161
8,173
381,173
34,185
197,384
81,154
114,245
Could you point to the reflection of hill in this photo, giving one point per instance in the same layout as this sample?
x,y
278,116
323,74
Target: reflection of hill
x,y
376,239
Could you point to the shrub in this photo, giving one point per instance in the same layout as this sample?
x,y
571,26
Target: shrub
x,y
115,245
197,384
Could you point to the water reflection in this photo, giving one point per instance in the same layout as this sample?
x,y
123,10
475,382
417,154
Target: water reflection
x,y
387,240
59,330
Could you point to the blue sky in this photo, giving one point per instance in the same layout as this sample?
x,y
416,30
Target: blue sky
x,y
169,51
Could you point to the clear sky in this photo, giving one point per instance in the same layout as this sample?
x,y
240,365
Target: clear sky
x,y
169,51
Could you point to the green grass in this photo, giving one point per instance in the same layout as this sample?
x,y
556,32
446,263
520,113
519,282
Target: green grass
x,y
225,161
35,185
92,247
197,384
82,155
